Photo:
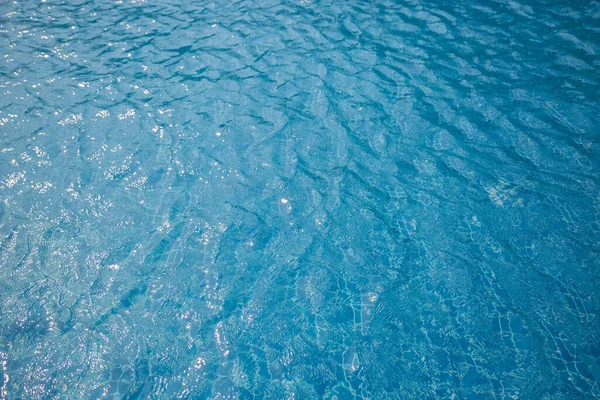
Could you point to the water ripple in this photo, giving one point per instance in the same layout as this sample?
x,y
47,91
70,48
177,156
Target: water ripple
x,y
299,199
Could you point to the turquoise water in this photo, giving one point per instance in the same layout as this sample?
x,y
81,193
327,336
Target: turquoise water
x,y
300,199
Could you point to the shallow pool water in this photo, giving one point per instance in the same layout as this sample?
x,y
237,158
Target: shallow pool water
x,y
290,199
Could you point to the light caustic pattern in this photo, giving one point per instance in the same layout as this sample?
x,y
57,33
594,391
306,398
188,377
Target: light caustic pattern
x,y
299,199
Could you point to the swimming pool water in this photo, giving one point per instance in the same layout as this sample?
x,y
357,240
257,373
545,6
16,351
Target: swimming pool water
x,y
289,199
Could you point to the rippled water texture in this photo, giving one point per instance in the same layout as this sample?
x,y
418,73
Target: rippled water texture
x,y
300,199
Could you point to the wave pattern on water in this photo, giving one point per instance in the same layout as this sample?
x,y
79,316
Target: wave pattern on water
x,y
300,199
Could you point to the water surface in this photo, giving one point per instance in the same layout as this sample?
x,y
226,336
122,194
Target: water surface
x,y
300,199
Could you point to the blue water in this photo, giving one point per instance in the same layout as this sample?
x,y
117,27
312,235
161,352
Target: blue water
x,y
293,199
